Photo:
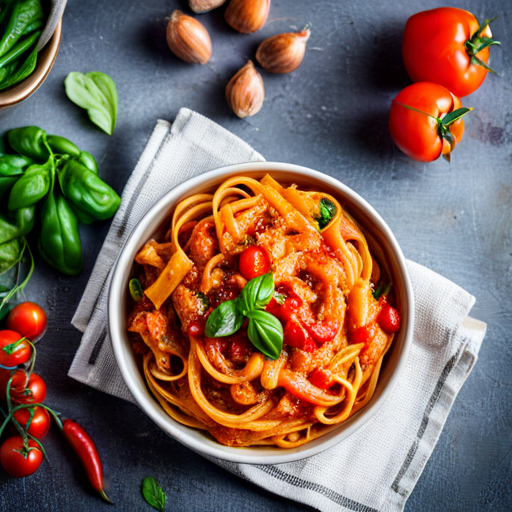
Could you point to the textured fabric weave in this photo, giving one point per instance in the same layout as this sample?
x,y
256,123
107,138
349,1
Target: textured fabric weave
x,y
377,467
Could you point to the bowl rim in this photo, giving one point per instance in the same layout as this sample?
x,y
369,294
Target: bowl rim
x,y
153,409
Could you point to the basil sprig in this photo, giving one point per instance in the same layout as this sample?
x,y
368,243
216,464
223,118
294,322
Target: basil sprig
x,y
327,212
265,331
153,493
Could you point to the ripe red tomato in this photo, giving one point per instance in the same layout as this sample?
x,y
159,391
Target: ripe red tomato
x,y
416,133
19,461
296,336
20,354
195,329
363,334
389,319
439,46
40,423
322,378
35,391
254,262
28,319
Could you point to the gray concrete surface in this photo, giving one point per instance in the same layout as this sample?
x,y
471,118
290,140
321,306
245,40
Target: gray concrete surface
x,y
330,115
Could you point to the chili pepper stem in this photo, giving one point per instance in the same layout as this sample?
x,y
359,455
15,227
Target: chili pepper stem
x,y
105,497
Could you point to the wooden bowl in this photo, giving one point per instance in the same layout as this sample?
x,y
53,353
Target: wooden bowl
x,y
20,92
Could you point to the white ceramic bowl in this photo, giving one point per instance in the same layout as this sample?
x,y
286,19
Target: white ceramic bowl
x,y
154,224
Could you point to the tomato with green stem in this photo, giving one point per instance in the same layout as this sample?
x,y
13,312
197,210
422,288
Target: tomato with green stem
x,y
20,459
14,349
426,122
37,418
29,391
447,46
29,319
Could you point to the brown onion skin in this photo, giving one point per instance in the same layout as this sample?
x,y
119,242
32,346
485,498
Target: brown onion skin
x,y
188,39
283,53
247,16
201,6
245,92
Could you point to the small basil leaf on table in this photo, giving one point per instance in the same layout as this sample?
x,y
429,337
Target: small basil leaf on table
x,y
265,332
95,92
257,293
87,160
31,187
153,493
224,320
62,146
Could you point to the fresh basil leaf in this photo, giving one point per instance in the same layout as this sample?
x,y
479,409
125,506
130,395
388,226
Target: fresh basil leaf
x,y
136,290
279,298
257,293
224,320
10,253
327,212
382,289
31,187
454,116
13,165
265,332
95,92
153,493
18,70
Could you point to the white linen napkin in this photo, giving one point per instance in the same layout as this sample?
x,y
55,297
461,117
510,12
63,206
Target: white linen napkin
x,y
387,455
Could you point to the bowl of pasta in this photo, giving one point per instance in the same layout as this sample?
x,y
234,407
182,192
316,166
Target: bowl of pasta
x,y
261,313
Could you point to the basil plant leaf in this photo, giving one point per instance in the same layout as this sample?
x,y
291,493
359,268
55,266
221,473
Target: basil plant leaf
x,y
95,92
153,493
265,332
224,320
257,293
327,212
10,254
31,187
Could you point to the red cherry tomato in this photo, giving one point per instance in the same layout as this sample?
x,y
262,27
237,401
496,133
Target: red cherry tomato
x,y
40,423
19,461
389,319
415,133
435,49
322,378
296,336
34,392
290,307
274,308
28,319
20,354
254,262
362,334
195,329
324,331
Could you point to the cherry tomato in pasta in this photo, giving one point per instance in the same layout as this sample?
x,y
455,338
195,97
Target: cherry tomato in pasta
x,y
19,460
296,336
290,307
29,319
195,329
274,308
40,423
14,350
322,378
389,319
254,262
363,334
323,332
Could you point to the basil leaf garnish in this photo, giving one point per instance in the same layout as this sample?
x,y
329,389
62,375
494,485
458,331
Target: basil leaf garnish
x,y
257,293
153,493
327,212
224,320
265,332
95,92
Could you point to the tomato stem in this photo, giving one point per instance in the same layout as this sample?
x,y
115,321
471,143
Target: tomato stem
x,y
476,43
416,110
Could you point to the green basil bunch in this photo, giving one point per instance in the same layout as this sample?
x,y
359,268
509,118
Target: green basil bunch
x,y
21,23
265,330
50,178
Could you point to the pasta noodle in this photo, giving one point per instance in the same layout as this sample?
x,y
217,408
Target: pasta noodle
x,y
326,296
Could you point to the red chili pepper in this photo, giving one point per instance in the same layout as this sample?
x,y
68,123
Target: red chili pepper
x,y
86,450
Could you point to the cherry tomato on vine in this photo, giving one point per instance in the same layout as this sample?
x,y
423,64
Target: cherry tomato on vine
x,y
33,392
426,121
18,460
29,319
40,423
449,47
254,262
14,350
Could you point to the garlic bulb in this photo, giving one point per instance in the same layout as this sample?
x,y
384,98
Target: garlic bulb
x,y
204,5
188,39
245,92
283,53
247,16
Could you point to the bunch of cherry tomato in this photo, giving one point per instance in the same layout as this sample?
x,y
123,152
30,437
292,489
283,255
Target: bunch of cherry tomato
x,y
26,419
446,54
